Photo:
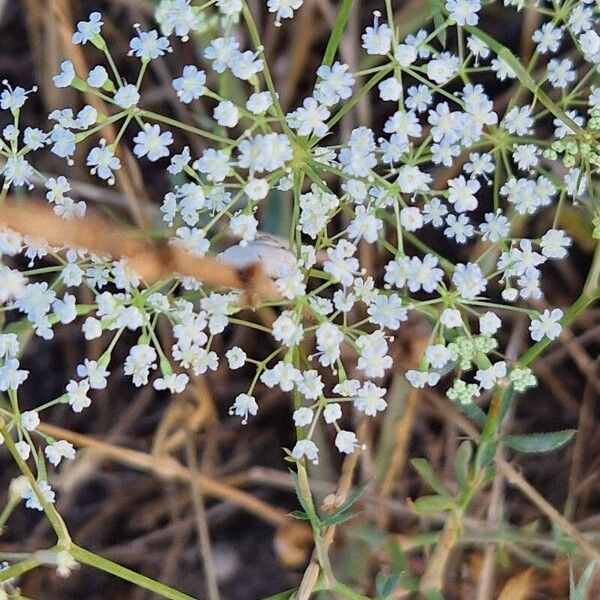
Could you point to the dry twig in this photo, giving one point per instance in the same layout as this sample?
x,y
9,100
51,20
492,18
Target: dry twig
x,y
151,261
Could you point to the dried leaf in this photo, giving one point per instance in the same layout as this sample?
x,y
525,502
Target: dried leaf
x,y
518,587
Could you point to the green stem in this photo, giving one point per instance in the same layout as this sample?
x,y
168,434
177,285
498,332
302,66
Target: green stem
x,y
56,521
336,33
89,558
19,569
190,128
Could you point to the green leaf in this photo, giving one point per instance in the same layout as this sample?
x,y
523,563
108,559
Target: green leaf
x,y
538,442
336,32
300,515
580,591
424,469
308,507
486,453
338,518
429,505
385,585
352,498
462,462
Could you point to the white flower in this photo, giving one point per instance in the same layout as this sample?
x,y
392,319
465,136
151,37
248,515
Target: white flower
x,y
303,416
346,441
220,51
335,84
30,419
245,65
127,96
174,382
179,17
95,372
546,325
463,12
103,162
65,309
66,75
284,9
411,218
97,77
332,413
377,39
443,68
92,328
147,45
370,399
152,143
190,86
226,114
461,193
24,449
554,243
547,38
139,362
282,374
489,323
561,73
11,377
12,99
58,450
451,318
487,378
311,386
86,30
243,226
236,357
421,379
286,329
469,280
438,356
306,448
77,394
310,118
259,102
243,406
31,499
229,7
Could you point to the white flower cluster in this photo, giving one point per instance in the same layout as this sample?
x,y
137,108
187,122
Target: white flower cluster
x,y
446,169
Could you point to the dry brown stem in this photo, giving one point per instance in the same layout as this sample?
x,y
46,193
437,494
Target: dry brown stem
x,y
151,261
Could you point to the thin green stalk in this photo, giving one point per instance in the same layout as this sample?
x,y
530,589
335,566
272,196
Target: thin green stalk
x,y
89,558
190,128
336,33
56,521
525,78
20,568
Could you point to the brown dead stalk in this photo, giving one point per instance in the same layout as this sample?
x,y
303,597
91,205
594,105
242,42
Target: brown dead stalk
x,y
151,261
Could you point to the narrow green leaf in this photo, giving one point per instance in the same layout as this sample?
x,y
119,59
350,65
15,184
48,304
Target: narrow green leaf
x,y
309,509
300,515
580,591
385,585
538,442
462,462
336,32
352,498
338,518
424,469
429,505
